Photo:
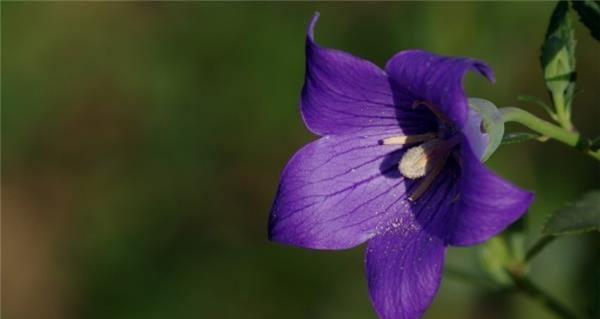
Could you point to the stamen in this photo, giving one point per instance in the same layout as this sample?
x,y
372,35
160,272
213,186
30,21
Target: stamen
x,y
426,160
426,182
419,102
408,139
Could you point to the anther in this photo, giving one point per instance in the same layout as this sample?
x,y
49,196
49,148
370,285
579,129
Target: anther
x,y
426,160
426,182
418,160
419,102
408,139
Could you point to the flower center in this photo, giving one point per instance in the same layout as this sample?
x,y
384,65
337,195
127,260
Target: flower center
x,y
419,160
424,161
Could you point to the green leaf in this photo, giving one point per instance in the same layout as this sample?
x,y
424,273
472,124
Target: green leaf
x,y
538,101
558,54
589,15
580,216
519,137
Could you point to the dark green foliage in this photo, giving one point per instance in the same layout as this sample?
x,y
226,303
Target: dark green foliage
x,y
582,215
589,15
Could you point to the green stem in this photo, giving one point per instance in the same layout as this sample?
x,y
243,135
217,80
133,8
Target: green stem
x,y
562,117
538,246
513,114
526,286
521,283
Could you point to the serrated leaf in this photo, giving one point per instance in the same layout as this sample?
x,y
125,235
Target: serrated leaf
x,y
589,15
519,137
582,215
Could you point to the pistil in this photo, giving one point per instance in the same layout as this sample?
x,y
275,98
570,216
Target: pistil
x,y
426,161
408,139
418,160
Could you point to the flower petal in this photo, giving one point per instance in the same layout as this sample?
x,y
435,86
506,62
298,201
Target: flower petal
x,y
487,205
435,79
335,192
343,93
404,264
404,270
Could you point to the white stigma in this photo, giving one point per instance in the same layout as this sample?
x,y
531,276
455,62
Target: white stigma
x,y
425,161
419,160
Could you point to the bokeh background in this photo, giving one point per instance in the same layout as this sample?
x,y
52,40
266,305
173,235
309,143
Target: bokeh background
x,y
142,145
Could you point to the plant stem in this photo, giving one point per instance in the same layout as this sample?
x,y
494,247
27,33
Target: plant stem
x,y
513,114
538,246
562,117
521,283
526,286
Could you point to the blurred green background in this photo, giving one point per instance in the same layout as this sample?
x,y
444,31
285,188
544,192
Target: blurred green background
x,y
142,145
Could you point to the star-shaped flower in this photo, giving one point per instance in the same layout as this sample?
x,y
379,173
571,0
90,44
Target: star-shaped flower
x,y
398,166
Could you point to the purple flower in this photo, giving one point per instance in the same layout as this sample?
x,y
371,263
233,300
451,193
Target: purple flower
x,y
398,166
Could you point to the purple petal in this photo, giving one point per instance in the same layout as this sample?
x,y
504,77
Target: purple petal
x,y
487,205
336,192
343,93
404,270
435,79
404,264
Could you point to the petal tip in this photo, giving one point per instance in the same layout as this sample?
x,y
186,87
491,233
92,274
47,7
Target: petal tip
x,y
529,198
524,197
312,24
522,204
485,70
